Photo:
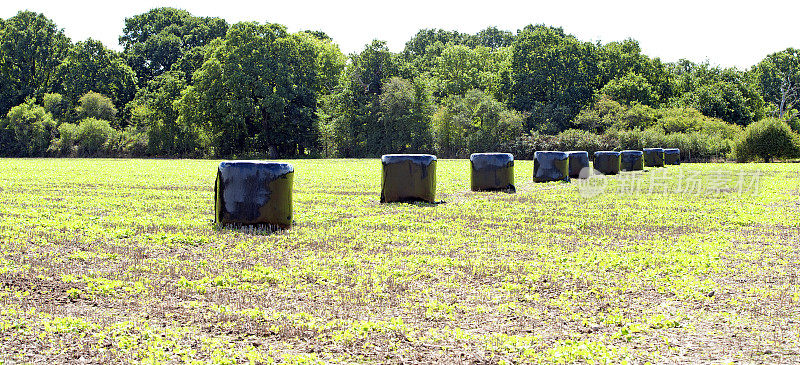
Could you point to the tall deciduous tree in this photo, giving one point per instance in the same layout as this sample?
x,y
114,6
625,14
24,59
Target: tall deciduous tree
x,y
474,122
90,66
255,93
778,78
553,75
31,46
405,117
153,111
727,94
631,88
157,39
354,110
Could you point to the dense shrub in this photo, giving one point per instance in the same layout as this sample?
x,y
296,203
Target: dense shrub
x,y
767,139
792,117
578,140
57,106
98,106
64,145
132,143
26,131
94,135
526,145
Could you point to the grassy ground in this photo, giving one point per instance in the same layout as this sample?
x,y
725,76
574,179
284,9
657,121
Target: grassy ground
x,y
117,260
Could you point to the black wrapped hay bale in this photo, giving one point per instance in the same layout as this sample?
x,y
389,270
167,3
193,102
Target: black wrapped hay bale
x,y
254,192
654,157
578,164
607,162
550,166
408,178
631,160
672,156
492,171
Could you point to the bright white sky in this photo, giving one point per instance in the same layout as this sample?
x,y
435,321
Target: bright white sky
x,y
728,33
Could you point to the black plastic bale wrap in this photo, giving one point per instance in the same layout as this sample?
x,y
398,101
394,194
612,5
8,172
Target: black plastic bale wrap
x,y
550,166
631,160
672,156
653,157
254,193
492,171
578,164
408,178
607,162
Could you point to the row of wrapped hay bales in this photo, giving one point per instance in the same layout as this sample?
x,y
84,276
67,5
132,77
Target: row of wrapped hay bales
x,y
258,192
612,162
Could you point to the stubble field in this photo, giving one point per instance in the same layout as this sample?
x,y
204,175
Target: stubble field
x,y
118,261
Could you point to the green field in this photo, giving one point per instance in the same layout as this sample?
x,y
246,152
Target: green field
x,y
118,260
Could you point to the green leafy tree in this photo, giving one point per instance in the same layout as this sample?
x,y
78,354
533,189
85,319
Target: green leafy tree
x,y
27,130
422,49
405,117
618,59
631,88
459,69
90,66
554,75
255,93
153,112
491,38
353,111
330,61
778,78
57,106
191,60
319,35
475,122
98,106
727,94
31,46
428,44
154,41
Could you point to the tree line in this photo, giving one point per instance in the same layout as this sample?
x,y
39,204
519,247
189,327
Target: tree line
x,y
187,86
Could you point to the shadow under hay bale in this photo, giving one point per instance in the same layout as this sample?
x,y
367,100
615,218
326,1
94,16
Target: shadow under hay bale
x,y
607,162
631,160
550,166
653,157
578,164
408,178
672,156
492,172
254,193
